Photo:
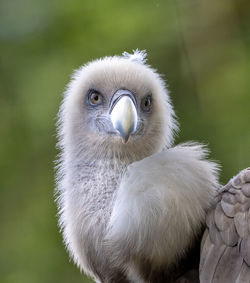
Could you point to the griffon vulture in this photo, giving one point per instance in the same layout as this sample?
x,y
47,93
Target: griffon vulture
x,y
132,206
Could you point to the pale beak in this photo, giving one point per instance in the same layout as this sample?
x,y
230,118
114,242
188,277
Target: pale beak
x,y
123,113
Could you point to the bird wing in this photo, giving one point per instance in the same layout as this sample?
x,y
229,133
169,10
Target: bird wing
x,y
225,248
161,203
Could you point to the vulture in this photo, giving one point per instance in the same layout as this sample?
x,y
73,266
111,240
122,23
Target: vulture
x,y
132,206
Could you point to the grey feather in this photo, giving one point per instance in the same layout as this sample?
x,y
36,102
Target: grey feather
x,y
241,198
230,236
244,274
245,249
221,220
228,266
229,197
210,256
210,218
240,222
248,220
228,259
247,175
204,239
246,190
232,190
228,208
214,235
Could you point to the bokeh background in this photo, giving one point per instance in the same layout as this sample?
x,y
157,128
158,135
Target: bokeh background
x,y
201,47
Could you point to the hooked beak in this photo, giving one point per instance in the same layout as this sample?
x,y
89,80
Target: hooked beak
x,y
123,113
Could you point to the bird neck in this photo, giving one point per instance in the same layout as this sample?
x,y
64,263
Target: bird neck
x,y
96,170
96,182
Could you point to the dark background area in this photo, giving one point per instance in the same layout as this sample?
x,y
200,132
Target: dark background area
x,y
201,47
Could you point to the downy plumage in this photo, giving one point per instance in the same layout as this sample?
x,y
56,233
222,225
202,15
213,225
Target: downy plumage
x,y
132,206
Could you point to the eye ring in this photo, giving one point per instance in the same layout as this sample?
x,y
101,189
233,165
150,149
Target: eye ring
x,y
146,103
95,98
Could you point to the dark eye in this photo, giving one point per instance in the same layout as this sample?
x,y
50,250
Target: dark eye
x,y
95,98
146,103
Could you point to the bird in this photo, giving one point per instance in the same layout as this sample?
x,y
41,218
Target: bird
x,y
132,206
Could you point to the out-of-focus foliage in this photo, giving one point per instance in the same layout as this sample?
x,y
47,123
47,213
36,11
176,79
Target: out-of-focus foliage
x,y
202,48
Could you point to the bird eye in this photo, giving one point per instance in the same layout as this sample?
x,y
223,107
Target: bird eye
x,y
146,103
95,98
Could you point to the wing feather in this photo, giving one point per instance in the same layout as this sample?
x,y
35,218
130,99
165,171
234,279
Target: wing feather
x,y
245,250
240,222
230,236
246,190
220,219
225,252
244,274
229,266
208,264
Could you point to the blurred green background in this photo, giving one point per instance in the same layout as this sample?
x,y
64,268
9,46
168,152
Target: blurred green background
x,y
202,48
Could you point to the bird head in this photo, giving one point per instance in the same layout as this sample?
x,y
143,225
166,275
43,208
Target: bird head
x,y
117,106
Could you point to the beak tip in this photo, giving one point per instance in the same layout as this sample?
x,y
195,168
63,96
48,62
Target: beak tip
x,y
125,139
